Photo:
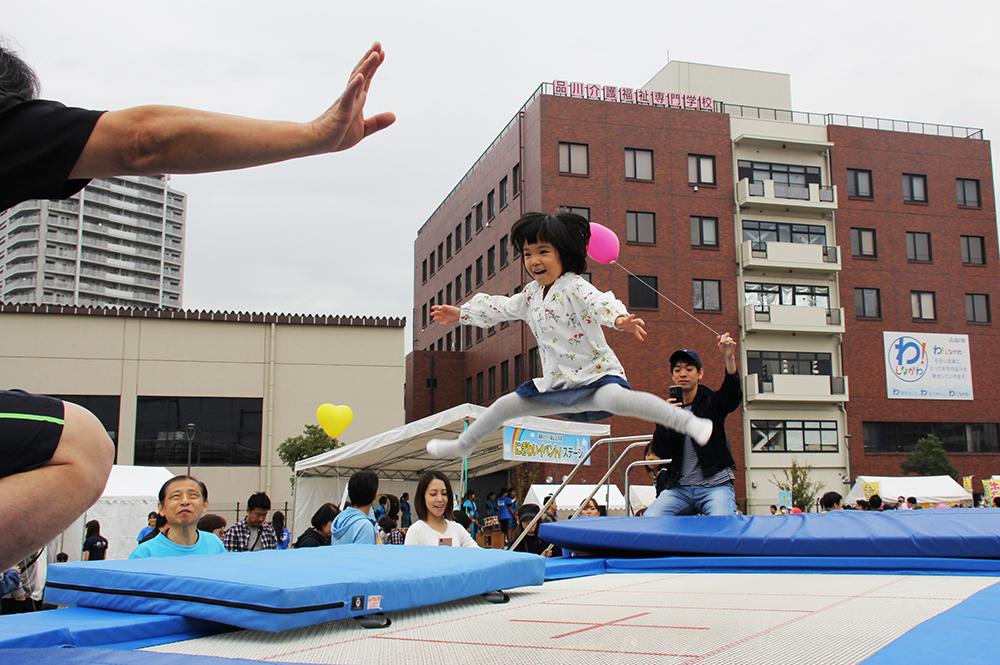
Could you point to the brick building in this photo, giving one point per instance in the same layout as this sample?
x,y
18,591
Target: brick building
x,y
805,236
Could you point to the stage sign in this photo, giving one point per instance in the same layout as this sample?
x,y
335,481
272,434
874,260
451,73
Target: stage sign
x,y
526,445
927,366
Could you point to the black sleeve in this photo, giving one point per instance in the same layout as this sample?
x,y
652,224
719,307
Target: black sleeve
x,y
40,142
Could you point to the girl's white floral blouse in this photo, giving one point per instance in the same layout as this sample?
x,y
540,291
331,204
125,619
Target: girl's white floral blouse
x,y
567,324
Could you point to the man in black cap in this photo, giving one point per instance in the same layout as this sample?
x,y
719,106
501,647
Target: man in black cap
x,y
698,479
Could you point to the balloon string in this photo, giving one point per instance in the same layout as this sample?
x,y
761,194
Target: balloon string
x,y
665,298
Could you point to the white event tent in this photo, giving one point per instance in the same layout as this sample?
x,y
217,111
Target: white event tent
x,y
573,495
926,489
399,457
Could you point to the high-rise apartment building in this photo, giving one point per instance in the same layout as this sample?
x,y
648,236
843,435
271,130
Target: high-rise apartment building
x,y
117,243
850,256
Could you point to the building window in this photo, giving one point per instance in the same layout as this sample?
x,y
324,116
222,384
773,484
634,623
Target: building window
x,y
458,238
973,250
638,164
458,338
867,304
707,297
704,232
479,387
504,252
491,382
468,337
468,389
491,205
479,271
447,247
229,431
503,192
107,408
918,246
468,228
492,330
516,177
432,263
534,366
901,437
779,436
642,292
788,175
491,262
573,159
859,183
583,212
914,188
458,287
423,315
977,308
518,369
922,304
701,170
863,243
468,280
447,295
761,233
479,335
440,255
479,217
762,296
640,227
425,270
504,378
968,193
770,363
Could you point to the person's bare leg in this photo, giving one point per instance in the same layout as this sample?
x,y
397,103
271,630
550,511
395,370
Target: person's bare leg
x,y
38,505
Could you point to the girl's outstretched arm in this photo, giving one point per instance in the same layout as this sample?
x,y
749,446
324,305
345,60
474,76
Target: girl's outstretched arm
x,y
631,323
445,314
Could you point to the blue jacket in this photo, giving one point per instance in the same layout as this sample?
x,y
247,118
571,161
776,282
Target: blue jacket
x,y
353,526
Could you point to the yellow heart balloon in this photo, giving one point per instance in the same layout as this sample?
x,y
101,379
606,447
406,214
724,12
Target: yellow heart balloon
x,y
334,419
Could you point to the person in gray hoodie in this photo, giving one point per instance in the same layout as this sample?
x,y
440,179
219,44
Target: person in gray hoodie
x,y
355,524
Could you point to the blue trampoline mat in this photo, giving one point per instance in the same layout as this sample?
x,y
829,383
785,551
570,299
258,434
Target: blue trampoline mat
x,y
279,590
955,533
105,657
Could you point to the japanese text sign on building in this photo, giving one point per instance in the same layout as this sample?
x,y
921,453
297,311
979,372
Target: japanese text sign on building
x,y
991,488
870,489
610,93
526,445
927,366
967,484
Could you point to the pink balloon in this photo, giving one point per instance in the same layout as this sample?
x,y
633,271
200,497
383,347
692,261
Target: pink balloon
x,y
604,244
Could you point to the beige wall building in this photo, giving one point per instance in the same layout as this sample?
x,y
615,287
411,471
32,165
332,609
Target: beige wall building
x,y
247,381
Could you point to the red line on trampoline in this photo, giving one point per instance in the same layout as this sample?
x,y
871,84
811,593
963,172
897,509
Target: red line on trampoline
x,y
631,625
682,607
522,646
806,615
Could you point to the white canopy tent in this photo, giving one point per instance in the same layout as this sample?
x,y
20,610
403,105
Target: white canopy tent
x,y
573,495
399,457
122,510
926,489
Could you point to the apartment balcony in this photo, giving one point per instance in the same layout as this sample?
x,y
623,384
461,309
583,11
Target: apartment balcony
x,y
793,318
796,388
24,267
22,236
26,220
64,284
60,252
72,206
30,250
790,255
771,194
57,299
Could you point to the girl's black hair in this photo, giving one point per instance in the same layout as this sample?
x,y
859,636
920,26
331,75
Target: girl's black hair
x,y
278,522
419,499
568,232
93,528
324,515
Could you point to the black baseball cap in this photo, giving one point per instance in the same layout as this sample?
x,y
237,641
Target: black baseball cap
x,y
685,356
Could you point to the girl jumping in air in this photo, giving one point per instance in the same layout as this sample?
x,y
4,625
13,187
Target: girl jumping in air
x,y
581,376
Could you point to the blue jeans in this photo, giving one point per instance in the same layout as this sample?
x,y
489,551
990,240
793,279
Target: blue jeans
x,y
693,500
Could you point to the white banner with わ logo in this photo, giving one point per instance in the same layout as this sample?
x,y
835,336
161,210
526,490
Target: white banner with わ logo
x,y
927,366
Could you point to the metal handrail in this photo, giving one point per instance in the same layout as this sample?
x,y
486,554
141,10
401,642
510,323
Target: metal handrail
x,y
611,467
628,470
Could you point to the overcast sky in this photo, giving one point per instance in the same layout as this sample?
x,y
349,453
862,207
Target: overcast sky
x,y
334,234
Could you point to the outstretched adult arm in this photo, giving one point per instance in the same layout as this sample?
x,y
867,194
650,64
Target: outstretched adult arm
x,y
148,140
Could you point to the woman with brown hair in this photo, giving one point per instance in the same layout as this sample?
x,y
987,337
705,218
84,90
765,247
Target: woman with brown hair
x,y
435,526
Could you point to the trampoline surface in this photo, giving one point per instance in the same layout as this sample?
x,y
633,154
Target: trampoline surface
x,y
641,618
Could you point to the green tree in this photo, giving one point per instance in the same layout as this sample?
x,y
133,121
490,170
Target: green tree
x,y
797,480
929,459
313,441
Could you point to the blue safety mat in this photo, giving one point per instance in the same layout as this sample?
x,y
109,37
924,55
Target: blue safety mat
x,y
847,565
278,590
566,567
105,657
954,533
86,626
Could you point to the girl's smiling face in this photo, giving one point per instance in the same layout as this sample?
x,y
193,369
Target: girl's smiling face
x,y
436,498
542,262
